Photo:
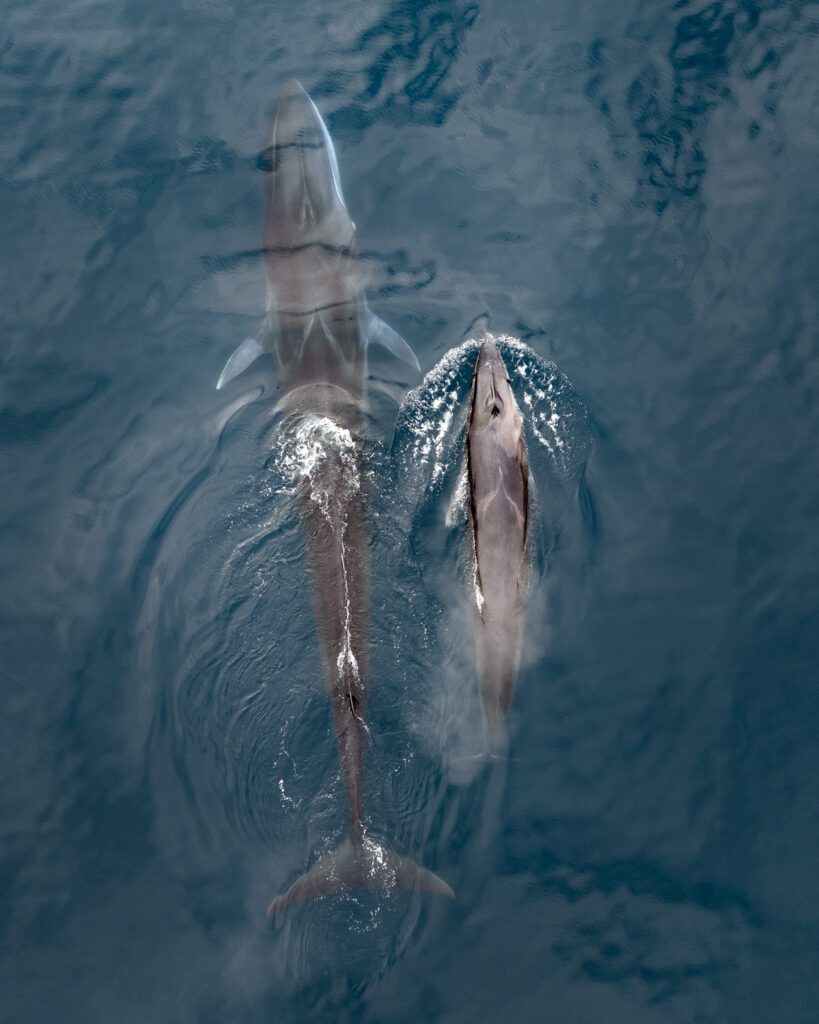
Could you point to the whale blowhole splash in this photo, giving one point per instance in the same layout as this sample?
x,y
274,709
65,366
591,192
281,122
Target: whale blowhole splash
x,y
430,426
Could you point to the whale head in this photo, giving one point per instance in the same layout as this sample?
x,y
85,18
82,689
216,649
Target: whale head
x,y
305,201
493,404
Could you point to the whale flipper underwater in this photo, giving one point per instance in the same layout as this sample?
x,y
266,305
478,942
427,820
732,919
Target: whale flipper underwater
x,y
498,480
318,326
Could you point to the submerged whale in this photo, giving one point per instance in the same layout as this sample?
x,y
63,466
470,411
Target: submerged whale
x,y
318,323
498,487
318,326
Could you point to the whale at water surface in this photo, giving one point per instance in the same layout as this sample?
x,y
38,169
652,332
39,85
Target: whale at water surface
x,y
498,488
318,326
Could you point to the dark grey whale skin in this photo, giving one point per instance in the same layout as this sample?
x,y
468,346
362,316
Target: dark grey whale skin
x,y
498,482
317,327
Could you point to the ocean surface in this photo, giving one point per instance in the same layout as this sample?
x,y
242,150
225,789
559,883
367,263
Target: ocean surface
x,y
630,190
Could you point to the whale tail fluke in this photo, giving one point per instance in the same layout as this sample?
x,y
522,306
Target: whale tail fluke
x,y
365,865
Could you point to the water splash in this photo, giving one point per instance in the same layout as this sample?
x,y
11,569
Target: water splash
x,y
305,447
428,412
430,427
458,509
553,414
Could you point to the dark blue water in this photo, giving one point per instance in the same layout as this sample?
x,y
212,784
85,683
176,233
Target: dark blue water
x,y
630,189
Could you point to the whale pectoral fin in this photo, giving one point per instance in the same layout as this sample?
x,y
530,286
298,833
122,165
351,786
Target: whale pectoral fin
x,y
247,353
381,332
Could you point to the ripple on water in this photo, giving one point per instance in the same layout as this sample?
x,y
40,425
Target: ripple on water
x,y
246,752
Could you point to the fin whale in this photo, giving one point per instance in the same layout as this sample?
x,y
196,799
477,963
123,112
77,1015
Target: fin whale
x,y
317,328
498,481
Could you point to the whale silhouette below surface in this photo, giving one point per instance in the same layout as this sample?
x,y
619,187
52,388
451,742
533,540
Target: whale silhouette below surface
x,y
318,324
317,327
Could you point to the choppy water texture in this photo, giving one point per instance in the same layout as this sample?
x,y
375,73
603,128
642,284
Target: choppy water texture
x,y
630,190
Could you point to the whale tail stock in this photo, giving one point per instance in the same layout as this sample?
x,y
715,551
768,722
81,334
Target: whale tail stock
x,y
363,865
